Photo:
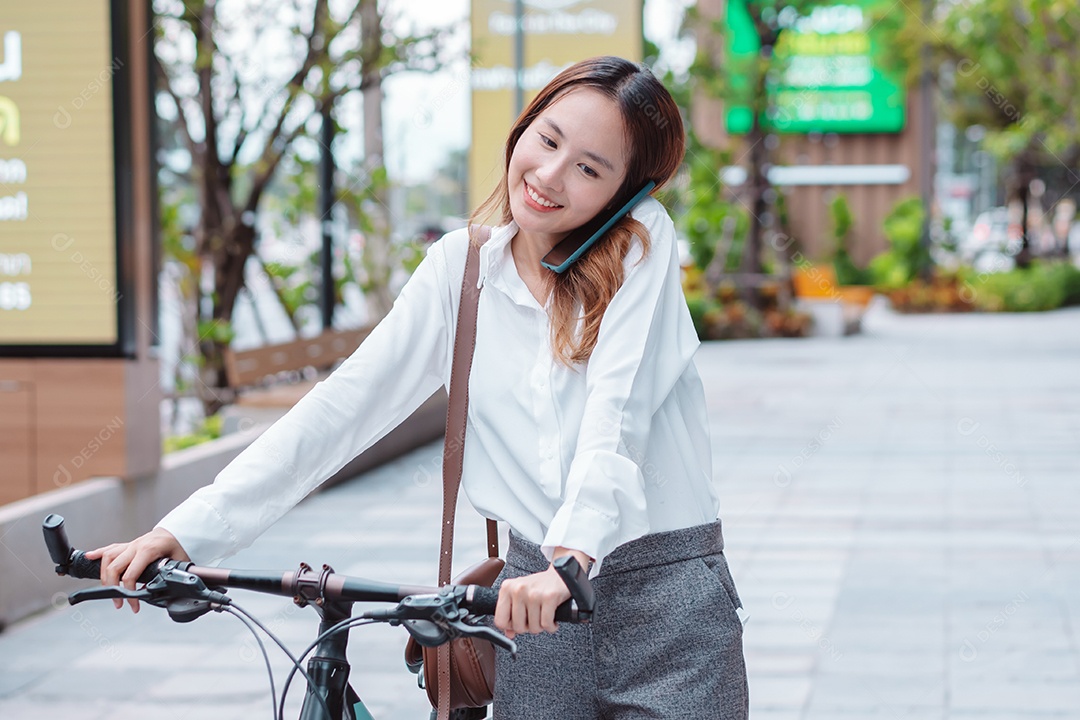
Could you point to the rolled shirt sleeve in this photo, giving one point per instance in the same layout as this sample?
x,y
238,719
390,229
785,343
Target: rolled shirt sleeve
x,y
398,366
645,343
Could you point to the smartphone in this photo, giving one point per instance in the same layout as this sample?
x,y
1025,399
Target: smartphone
x,y
578,241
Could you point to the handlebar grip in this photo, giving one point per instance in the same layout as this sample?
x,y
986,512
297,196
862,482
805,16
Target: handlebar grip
x,y
80,567
484,600
74,563
56,539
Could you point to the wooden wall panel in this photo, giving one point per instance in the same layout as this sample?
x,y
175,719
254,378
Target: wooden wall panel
x,y
810,220
79,429
16,440
81,421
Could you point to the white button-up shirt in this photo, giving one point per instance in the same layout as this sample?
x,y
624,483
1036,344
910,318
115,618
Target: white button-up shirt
x,y
585,457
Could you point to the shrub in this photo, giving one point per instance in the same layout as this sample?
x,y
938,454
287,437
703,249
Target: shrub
x,y
1041,286
209,429
847,272
906,257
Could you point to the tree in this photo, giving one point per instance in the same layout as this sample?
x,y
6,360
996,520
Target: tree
x,y
1013,67
295,275
240,81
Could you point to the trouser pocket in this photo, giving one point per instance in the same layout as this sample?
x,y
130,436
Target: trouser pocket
x,y
718,568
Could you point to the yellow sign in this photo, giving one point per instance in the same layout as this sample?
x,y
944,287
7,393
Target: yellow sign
x,y
558,33
58,279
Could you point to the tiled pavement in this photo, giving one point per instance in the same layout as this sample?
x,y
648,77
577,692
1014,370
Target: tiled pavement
x,y
902,515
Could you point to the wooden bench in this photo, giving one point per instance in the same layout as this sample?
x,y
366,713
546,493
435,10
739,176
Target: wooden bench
x,y
257,375
271,379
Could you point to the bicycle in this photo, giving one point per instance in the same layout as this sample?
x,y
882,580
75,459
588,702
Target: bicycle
x,y
433,616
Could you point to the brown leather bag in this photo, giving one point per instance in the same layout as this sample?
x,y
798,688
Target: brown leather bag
x,y
461,673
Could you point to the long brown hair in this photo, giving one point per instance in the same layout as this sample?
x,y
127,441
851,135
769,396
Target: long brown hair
x,y
654,136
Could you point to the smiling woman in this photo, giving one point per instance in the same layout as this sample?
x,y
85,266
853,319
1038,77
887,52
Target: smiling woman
x,y
633,489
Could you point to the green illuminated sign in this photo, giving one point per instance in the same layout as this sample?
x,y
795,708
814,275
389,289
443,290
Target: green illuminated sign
x,y
824,76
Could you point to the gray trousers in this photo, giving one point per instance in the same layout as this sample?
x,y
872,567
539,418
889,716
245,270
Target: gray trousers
x,y
665,641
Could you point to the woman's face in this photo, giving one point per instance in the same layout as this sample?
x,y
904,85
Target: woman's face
x,y
567,165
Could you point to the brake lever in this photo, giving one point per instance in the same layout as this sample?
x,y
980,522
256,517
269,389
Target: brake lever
x,y
169,587
175,583
107,593
433,619
460,628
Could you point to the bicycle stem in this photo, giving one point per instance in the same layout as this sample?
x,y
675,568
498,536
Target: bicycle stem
x,y
328,667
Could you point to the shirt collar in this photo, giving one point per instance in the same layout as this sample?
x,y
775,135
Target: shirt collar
x,y
495,252
497,267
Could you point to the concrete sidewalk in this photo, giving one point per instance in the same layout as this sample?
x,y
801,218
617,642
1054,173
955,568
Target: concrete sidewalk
x,y
902,516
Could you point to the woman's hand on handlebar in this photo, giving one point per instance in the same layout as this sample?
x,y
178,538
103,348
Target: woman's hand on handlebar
x,y
123,563
527,604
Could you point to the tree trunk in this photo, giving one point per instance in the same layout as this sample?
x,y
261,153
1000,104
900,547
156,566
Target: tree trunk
x,y
757,177
758,185
229,260
377,251
1025,173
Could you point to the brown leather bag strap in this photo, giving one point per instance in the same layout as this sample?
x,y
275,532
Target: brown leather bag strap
x,y
454,442
493,538
458,406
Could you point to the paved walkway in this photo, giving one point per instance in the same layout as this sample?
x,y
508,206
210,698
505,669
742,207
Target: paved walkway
x,y
902,513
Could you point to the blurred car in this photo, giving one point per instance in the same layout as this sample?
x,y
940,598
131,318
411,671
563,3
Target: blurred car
x,y
994,232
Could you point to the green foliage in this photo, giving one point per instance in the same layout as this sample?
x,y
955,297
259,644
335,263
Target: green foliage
x,y
301,190
847,273
1011,69
906,257
209,429
411,255
1042,286
220,331
280,271
842,219
705,211
175,241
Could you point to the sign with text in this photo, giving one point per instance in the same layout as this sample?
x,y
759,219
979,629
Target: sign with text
x,y
58,238
826,75
557,33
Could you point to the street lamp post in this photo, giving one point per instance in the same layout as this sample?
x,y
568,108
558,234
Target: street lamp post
x,y
326,211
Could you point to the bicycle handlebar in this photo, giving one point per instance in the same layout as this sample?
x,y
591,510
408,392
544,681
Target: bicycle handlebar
x,y
309,586
432,616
